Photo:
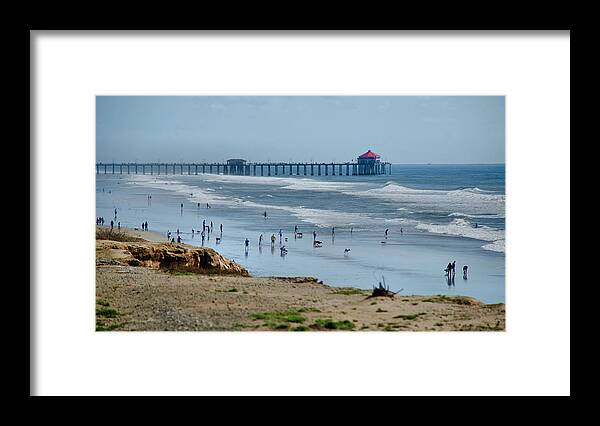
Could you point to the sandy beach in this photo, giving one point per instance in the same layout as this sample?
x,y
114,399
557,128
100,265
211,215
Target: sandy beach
x,y
152,285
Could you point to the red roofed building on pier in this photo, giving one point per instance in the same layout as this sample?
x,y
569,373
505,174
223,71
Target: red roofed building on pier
x,y
369,164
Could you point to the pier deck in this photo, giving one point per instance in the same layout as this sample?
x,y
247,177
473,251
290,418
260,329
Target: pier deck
x,y
249,169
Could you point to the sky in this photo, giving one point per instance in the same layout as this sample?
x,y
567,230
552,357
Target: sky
x,y
402,129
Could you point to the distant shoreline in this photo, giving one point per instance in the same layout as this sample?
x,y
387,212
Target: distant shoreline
x,y
153,298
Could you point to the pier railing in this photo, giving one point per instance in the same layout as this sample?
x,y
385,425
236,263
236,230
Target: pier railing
x,y
248,169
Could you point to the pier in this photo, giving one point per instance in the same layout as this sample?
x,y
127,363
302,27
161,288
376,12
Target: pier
x,y
246,169
368,163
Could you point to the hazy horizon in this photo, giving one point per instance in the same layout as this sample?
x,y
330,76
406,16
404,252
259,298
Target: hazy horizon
x,y
402,129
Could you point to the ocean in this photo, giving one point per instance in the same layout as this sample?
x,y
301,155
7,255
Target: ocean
x,y
434,214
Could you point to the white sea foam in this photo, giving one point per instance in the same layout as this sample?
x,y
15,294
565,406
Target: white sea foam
x,y
477,216
498,246
291,183
430,199
463,228
193,193
471,201
317,217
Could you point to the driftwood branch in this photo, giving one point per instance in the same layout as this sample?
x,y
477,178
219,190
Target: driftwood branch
x,y
382,290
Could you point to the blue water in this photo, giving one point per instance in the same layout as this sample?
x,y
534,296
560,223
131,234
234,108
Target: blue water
x,y
434,214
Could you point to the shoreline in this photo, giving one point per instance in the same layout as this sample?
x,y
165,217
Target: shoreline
x,y
147,297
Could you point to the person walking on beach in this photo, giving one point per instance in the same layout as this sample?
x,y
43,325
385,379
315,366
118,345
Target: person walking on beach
x,y
448,269
295,229
265,214
314,236
221,229
260,240
386,231
203,224
273,240
178,238
246,245
207,206
119,226
454,268
280,234
146,225
111,225
333,230
465,268
177,231
211,227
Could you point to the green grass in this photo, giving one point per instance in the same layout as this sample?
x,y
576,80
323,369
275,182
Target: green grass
x,y
181,273
279,320
380,310
107,312
102,303
309,310
238,326
409,317
300,328
393,327
281,326
373,303
114,235
348,291
287,316
329,324
100,326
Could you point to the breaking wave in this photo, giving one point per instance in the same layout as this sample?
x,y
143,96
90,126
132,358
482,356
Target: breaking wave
x,y
464,228
471,201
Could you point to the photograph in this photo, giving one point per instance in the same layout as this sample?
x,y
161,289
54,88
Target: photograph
x,y
300,213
